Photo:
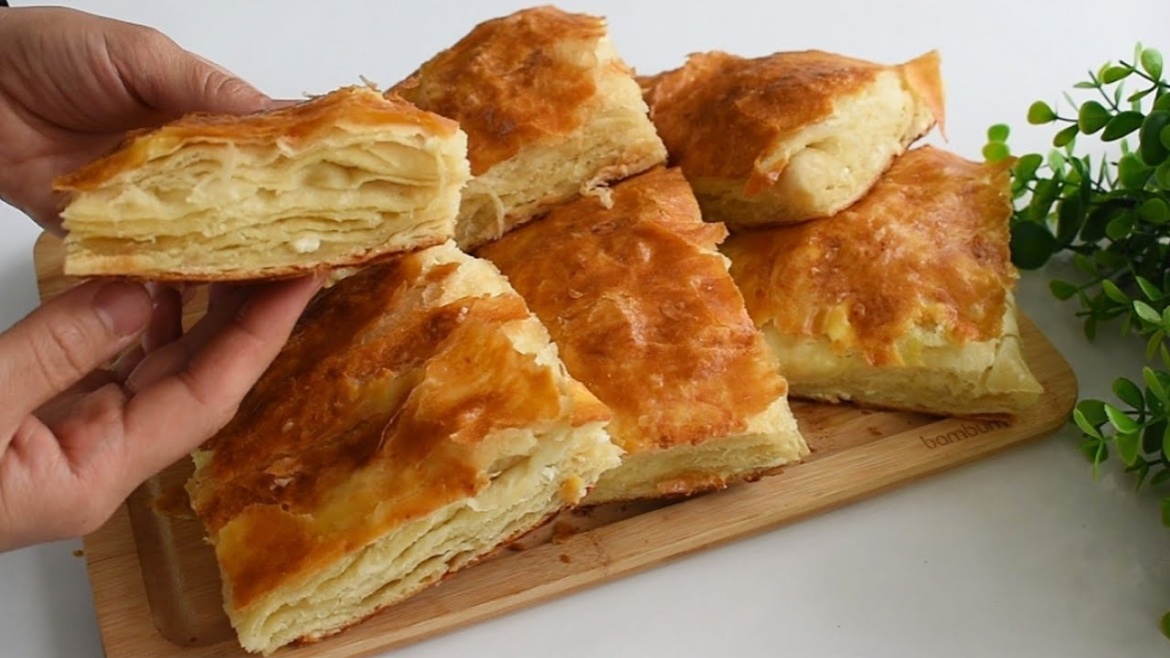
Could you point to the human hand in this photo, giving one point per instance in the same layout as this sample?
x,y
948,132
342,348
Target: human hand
x,y
72,84
76,440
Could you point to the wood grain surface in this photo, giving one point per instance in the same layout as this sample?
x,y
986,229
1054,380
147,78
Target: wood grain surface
x,y
156,586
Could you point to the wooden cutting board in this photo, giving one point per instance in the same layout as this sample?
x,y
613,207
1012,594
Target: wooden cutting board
x,y
156,586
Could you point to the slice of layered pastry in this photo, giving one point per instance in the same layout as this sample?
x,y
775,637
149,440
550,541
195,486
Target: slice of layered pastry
x,y
417,418
793,135
646,315
550,109
339,180
902,301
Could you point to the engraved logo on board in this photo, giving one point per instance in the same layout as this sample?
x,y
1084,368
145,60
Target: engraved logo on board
x,y
967,431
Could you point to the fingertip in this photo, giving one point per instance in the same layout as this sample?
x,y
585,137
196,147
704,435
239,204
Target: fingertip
x,y
124,307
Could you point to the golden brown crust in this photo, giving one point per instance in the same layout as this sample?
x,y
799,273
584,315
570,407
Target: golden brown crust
x,y
720,113
293,124
366,420
927,248
505,84
644,312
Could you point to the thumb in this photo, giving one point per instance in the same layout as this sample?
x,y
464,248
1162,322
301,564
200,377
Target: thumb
x,y
66,339
174,81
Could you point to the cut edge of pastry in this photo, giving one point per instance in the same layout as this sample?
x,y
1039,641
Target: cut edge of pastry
x,y
830,164
341,180
771,440
977,378
617,140
534,473
522,497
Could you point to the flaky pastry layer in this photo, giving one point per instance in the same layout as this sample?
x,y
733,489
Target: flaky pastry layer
x,y
902,300
418,418
646,315
339,180
550,109
793,135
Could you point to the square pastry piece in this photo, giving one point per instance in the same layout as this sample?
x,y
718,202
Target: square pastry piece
x,y
790,136
339,180
550,111
902,301
417,418
646,315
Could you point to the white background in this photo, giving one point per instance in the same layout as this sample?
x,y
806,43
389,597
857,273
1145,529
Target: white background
x,y
1018,555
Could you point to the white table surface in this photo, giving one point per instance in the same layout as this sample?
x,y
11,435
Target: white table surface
x,y
1017,555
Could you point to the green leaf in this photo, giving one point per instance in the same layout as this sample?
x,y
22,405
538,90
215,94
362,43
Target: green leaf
x,y
1122,124
1148,289
1164,624
1152,436
1154,211
1120,421
1062,290
1025,167
1046,192
1160,478
1040,113
1147,312
1114,73
1129,393
1113,292
1162,175
1098,219
1065,136
1153,383
1070,217
1121,226
1084,425
1092,117
1143,470
1032,244
1093,411
1132,172
996,151
1151,61
1154,343
998,133
1152,150
1127,447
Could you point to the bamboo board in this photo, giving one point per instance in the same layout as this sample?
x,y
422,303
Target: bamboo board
x,y
156,586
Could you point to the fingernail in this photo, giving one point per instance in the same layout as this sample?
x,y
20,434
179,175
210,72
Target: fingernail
x,y
123,307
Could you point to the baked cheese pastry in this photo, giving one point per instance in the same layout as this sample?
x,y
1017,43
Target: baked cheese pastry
x,y
550,111
646,315
793,135
342,179
902,301
417,418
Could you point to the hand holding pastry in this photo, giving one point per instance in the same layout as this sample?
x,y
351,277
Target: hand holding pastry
x,y
72,85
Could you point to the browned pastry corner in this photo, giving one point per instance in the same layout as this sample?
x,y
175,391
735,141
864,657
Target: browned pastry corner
x,y
645,314
903,300
550,110
417,419
340,180
793,135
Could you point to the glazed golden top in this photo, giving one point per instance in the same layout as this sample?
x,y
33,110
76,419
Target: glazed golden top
x,y
644,312
374,414
719,113
513,81
926,250
292,125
